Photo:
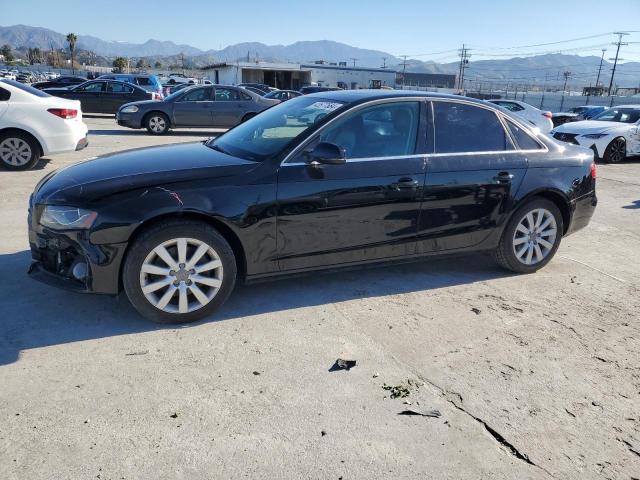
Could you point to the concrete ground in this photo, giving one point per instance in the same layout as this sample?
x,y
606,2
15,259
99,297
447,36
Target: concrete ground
x,y
535,377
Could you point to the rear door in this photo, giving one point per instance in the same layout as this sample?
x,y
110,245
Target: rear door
x,y
117,94
229,107
365,209
193,109
471,178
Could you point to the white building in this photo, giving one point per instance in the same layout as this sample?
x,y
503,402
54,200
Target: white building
x,y
295,75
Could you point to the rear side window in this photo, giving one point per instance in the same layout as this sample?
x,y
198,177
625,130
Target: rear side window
x,y
4,95
462,128
523,139
226,95
144,81
120,88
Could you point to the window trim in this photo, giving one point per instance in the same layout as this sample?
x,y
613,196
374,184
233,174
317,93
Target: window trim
x,y
370,103
214,90
505,121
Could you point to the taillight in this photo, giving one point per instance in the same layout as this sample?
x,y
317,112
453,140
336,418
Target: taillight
x,y
66,113
593,170
156,96
547,114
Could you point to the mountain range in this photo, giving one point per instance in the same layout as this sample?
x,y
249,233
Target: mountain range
x,y
532,69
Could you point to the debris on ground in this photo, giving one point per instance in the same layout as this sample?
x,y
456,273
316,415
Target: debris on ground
x,y
141,352
476,310
174,415
376,375
397,391
342,364
426,413
322,433
255,372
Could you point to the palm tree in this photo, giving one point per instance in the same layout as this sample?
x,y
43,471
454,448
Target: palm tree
x,y
71,40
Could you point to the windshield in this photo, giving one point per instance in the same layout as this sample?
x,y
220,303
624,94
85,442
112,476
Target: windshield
x,y
26,88
621,115
270,132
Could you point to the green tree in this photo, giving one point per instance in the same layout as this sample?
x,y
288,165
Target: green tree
x,y
5,51
119,65
158,64
142,64
34,56
71,40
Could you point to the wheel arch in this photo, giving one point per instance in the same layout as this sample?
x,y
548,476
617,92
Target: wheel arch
x,y
558,198
219,225
146,116
24,132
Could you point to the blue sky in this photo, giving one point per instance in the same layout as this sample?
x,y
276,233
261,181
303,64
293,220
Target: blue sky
x,y
405,27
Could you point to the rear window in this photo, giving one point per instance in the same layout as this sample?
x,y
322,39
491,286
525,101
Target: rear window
x,y
4,95
523,139
27,88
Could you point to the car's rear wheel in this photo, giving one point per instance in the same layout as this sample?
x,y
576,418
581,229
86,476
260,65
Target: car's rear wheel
x,y
179,272
18,151
616,151
531,237
157,123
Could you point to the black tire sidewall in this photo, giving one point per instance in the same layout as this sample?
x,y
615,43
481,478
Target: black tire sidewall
x,y
506,243
607,152
35,151
148,118
158,234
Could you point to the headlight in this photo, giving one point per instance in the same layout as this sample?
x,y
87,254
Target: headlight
x,y
595,135
66,218
130,109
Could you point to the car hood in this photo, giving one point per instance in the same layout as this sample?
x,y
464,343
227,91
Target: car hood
x,y
144,103
93,179
590,126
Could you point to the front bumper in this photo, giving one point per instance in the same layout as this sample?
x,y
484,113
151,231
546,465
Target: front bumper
x,y
55,254
598,145
130,120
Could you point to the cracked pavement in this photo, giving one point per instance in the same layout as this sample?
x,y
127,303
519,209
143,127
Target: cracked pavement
x,y
536,377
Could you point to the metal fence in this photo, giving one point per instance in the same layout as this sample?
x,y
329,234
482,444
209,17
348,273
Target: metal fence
x,y
557,102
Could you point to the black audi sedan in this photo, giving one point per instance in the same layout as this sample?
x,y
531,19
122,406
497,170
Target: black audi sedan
x,y
372,176
198,106
103,96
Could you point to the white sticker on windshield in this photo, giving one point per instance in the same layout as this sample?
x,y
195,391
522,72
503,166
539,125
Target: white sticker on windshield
x,y
325,105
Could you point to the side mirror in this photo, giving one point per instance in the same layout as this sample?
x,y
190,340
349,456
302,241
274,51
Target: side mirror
x,y
328,154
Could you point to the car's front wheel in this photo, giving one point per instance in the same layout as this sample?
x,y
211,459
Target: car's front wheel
x,y
179,272
531,238
616,151
18,151
157,123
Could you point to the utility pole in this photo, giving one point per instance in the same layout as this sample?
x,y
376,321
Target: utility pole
x,y
600,67
404,68
354,61
384,62
464,61
566,76
619,43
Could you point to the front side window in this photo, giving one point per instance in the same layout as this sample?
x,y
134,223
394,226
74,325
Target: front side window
x,y
226,95
92,87
463,128
196,95
385,130
622,115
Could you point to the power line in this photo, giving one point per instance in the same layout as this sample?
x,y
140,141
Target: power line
x,y
548,43
464,61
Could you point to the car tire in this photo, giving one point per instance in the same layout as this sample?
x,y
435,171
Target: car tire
x,y
616,151
157,123
172,289
526,248
18,151
247,117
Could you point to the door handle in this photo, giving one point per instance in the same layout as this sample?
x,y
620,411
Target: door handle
x,y
503,177
405,183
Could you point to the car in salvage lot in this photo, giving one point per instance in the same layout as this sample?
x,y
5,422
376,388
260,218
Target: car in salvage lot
x,y
33,123
198,106
380,176
576,114
535,116
613,135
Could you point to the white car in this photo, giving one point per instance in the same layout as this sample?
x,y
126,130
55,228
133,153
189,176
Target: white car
x,y
613,135
537,117
33,123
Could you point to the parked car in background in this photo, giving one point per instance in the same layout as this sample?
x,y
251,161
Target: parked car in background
x,y
283,95
315,89
278,196
257,91
539,118
150,83
60,82
33,123
169,89
577,113
613,135
259,86
103,96
198,106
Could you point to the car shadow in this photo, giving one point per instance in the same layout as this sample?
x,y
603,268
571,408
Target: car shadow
x,y
35,315
634,205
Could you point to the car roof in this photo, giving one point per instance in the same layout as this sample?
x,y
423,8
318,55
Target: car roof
x,y
350,96
633,107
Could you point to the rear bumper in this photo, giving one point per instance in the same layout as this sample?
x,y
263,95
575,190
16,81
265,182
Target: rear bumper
x,y
583,209
67,138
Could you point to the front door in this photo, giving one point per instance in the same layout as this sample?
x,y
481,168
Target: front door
x,y
365,209
194,108
471,177
90,96
117,94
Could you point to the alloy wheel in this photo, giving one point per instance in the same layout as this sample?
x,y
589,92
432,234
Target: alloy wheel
x,y
535,236
618,151
15,152
181,275
157,124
